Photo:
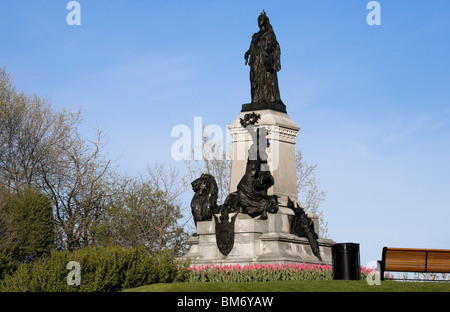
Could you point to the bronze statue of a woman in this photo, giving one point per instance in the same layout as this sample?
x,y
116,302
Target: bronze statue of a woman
x,y
264,53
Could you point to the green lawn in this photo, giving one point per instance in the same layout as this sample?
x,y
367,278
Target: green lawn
x,y
298,286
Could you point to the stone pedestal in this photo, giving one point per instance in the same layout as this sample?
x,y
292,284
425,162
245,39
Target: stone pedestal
x,y
256,241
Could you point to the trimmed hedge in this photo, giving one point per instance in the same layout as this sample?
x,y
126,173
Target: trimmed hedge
x,y
102,270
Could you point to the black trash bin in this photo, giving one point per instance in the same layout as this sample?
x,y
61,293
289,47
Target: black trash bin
x,y
346,264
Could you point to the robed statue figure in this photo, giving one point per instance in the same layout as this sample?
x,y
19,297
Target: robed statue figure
x,y
264,53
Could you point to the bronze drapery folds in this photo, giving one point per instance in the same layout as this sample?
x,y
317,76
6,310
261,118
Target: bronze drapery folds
x,y
264,53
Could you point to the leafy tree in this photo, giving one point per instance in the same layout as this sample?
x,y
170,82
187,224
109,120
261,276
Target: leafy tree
x,y
42,147
79,185
146,212
42,152
31,133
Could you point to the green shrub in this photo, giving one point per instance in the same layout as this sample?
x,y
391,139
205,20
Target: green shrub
x,y
7,266
102,270
33,217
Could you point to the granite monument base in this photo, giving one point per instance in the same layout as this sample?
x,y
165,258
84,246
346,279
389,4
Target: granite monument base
x,y
257,241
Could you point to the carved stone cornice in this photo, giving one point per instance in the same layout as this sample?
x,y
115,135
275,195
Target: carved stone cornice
x,y
274,132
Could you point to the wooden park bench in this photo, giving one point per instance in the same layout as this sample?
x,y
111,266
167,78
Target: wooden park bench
x,y
414,260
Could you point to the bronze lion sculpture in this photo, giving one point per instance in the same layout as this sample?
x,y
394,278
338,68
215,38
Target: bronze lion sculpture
x,y
204,202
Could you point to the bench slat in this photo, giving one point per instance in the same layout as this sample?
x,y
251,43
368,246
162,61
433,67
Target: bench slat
x,y
438,262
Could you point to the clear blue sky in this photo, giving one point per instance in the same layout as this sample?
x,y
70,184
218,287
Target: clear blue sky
x,y
373,102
